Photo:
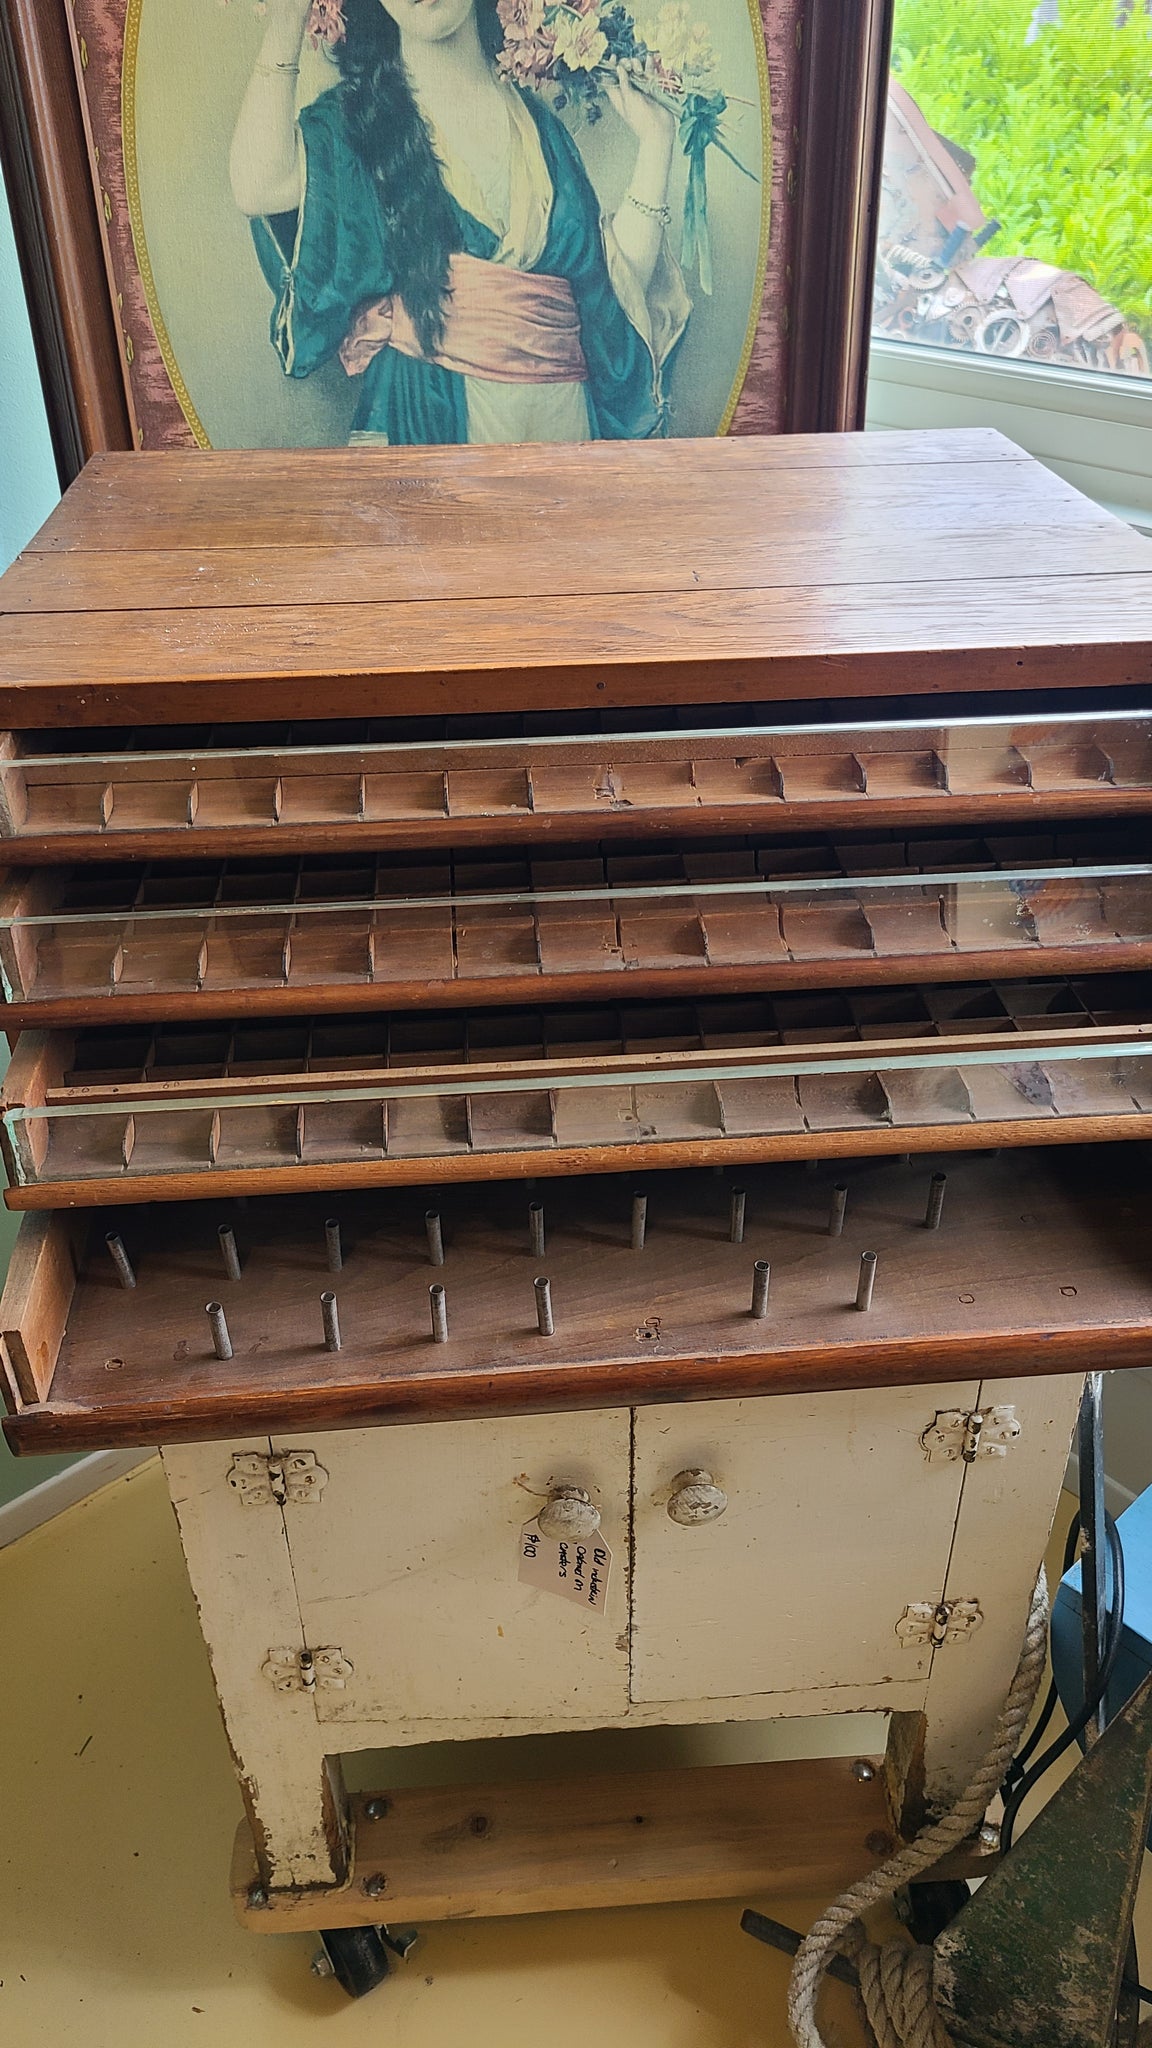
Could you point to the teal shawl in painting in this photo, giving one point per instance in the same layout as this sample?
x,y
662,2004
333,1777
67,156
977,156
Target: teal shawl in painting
x,y
332,258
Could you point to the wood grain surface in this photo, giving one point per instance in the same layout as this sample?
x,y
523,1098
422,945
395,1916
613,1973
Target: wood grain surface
x,y
623,1839
125,796
591,983
181,1113
1040,1267
466,930
231,586
880,1141
660,824
39,1283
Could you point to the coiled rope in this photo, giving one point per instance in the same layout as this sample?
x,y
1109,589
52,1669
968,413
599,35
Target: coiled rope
x,y
896,1980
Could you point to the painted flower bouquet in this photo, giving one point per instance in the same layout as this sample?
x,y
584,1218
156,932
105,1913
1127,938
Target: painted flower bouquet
x,y
326,25
572,47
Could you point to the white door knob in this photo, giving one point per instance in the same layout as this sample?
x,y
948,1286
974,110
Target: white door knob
x,y
695,1497
569,1515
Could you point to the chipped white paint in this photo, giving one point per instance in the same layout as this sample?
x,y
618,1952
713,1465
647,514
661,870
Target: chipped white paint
x,y
569,1514
982,1433
1006,1511
695,1497
411,1563
264,1481
297,1670
783,1606
952,1621
834,1520
843,1703
241,1574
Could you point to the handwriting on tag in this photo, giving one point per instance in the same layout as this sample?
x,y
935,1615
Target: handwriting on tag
x,y
577,1571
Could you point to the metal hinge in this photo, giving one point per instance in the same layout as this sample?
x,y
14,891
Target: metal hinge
x,y
968,1434
307,1670
948,1621
287,1476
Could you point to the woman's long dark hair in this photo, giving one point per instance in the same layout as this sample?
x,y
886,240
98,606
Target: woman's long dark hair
x,y
388,132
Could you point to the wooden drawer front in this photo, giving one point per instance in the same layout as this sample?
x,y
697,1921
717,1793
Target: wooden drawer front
x,y
409,1562
374,934
280,793
106,1116
835,1522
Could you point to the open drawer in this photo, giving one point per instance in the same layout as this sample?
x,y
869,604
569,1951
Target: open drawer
x,y
1039,1264
176,941
171,1112
151,794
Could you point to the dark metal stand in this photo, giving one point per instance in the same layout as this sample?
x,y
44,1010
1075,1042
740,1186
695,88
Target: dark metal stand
x,y
1093,1545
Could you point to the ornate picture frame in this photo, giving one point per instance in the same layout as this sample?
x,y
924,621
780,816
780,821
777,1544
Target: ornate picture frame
x,y
128,362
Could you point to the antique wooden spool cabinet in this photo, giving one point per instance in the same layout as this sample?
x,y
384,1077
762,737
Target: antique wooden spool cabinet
x,y
690,903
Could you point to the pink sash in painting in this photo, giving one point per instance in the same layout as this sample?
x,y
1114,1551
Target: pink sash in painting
x,y
508,324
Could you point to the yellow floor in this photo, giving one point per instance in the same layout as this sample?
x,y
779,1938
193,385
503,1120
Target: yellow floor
x,y
119,1809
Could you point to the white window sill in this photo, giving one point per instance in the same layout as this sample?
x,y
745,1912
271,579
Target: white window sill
x,y
1095,431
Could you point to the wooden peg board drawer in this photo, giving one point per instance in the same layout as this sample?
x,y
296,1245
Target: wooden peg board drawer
x,y
1038,1266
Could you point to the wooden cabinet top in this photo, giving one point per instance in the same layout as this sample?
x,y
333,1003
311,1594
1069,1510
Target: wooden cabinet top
x,y
347,583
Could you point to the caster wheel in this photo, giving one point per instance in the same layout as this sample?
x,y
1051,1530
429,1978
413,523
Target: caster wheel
x,y
927,1909
356,1956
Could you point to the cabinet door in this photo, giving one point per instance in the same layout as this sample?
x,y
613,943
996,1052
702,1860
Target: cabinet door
x,y
409,1560
835,1522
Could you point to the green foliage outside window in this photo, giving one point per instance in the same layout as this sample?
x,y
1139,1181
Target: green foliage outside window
x,y
1061,129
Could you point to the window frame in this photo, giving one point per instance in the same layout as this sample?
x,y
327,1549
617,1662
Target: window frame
x,y
1093,429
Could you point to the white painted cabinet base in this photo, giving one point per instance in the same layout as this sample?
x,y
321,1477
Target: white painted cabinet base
x,y
380,1603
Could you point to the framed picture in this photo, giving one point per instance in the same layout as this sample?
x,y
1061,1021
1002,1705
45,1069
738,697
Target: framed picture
x,y
289,223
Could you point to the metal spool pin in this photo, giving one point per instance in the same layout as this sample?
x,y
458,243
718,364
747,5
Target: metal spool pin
x,y
120,1259
867,1280
935,1209
761,1277
544,1317
639,1221
836,1212
218,1324
332,1244
435,1232
331,1315
438,1302
536,1228
736,1216
228,1251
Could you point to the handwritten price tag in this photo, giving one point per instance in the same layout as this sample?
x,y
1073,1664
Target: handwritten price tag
x,y
577,1571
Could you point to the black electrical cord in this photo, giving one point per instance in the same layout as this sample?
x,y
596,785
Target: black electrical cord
x,y
1020,1783
1027,1749
1019,1780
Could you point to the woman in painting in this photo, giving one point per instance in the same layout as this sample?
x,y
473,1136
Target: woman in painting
x,y
434,227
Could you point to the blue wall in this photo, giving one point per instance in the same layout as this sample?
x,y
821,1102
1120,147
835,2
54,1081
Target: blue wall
x,y
28,491
28,487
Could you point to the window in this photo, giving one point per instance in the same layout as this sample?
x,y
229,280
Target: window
x,y
1014,274
1016,213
